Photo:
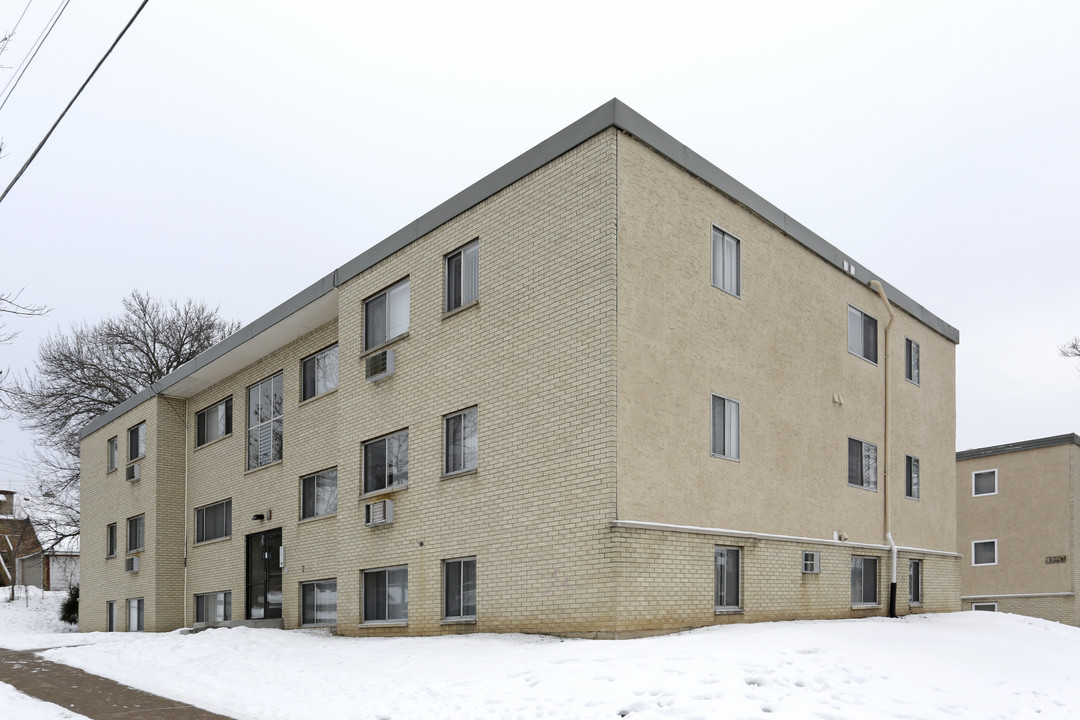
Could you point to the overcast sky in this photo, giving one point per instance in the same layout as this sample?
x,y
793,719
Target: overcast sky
x,y
235,152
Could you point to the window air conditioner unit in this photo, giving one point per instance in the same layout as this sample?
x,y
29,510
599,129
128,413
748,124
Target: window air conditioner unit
x,y
131,564
379,513
133,472
379,365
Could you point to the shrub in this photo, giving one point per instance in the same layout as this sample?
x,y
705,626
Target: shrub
x,y
69,608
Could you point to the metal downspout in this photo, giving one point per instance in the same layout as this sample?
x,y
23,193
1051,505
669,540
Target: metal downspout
x,y
885,451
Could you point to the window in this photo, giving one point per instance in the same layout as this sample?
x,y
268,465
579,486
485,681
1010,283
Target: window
x,y
861,334
318,602
213,423
320,373
110,616
725,428
911,360
386,462
462,274
386,315
727,578
811,562
863,580
110,540
213,607
915,581
984,552
135,615
984,482
459,589
461,441
136,528
213,521
862,464
985,606
265,402
911,482
726,274
113,453
318,494
386,595
137,442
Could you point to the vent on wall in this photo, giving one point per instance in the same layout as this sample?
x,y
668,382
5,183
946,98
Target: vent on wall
x,y
380,365
133,472
131,564
379,513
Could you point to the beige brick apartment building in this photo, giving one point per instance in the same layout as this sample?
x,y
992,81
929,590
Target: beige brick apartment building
x,y
605,391
1018,527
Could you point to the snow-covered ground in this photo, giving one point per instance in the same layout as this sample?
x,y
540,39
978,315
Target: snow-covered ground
x,y
964,665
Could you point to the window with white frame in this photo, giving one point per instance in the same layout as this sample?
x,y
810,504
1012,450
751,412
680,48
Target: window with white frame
x,y
984,606
911,478
266,403
863,580
213,521
911,360
320,373
113,453
915,581
862,464
386,462
462,275
213,607
136,528
110,616
318,602
461,444
984,482
459,589
726,262
318,494
984,552
862,334
725,427
811,562
386,315
726,578
110,540
137,442
386,594
213,423
135,615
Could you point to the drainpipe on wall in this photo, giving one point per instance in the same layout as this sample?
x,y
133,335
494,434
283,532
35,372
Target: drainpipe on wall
x,y
885,451
187,462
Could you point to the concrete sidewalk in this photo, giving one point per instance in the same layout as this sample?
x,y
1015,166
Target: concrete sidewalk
x,y
89,695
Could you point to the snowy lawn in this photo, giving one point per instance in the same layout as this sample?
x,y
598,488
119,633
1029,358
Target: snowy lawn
x,y
963,665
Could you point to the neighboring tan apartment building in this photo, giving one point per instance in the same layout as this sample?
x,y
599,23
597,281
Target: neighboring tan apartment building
x,y
605,391
1018,527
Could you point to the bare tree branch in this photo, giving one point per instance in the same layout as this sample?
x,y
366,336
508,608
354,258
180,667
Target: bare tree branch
x,y
10,305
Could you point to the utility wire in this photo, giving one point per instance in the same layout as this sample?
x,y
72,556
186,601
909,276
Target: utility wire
x,y
17,22
77,94
32,53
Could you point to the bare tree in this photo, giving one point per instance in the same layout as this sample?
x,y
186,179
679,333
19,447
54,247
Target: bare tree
x,y
90,369
10,306
1070,349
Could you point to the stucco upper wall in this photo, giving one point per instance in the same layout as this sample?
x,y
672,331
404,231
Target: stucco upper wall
x,y
780,350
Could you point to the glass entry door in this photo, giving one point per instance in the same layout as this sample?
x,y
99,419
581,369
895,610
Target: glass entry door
x,y
264,575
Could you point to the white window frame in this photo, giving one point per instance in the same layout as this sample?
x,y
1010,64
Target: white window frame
x,y
464,276
466,463
912,478
726,262
274,422
217,601
402,571
140,523
871,483
203,528
392,299
112,454
322,612
727,444
861,561
110,540
136,607
722,578
983,542
139,446
811,562
984,494
219,426
915,583
984,606
448,569
911,361
395,472
857,343
329,506
321,369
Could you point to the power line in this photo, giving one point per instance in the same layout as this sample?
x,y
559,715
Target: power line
x,y
77,94
21,16
32,53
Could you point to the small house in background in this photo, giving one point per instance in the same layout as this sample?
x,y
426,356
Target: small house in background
x,y
1017,526
17,539
24,560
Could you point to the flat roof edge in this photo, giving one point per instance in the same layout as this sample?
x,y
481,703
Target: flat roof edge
x,y
1070,438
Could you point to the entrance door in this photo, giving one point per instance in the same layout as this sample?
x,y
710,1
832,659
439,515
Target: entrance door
x,y
264,575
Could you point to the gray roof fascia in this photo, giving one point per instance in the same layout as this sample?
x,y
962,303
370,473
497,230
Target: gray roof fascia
x,y
1045,442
